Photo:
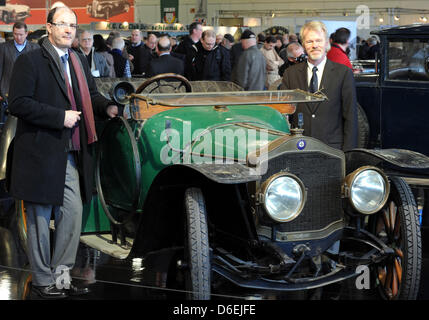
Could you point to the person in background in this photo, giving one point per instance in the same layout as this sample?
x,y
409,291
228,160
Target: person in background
x,y
139,53
212,61
339,45
101,48
294,54
187,47
333,121
278,45
228,41
272,59
97,63
261,40
165,63
219,38
122,65
250,71
10,51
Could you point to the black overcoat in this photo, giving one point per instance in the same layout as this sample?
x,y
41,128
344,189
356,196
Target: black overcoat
x,y
38,98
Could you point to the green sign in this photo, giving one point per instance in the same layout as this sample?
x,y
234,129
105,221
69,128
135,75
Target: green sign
x,y
169,11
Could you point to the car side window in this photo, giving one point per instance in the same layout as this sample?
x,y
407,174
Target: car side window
x,y
408,60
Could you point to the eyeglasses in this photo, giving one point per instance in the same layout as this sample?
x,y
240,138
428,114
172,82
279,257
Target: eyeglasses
x,y
63,25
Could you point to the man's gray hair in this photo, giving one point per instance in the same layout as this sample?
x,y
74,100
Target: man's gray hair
x,y
291,47
118,43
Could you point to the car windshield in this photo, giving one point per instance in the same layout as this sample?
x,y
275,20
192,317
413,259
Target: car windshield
x,y
232,98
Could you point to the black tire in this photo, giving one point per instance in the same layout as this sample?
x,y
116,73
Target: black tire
x,y
363,127
197,254
398,277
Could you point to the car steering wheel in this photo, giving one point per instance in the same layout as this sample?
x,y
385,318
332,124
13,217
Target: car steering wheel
x,y
169,81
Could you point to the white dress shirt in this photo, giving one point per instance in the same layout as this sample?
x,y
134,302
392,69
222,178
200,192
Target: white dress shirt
x,y
319,72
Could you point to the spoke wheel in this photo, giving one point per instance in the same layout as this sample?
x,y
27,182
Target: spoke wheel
x,y
165,83
398,276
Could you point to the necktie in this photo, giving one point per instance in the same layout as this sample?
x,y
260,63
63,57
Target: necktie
x,y
75,129
314,83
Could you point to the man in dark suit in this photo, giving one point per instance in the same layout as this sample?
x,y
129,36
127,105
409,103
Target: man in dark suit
x,y
165,63
187,47
141,54
333,121
10,51
54,96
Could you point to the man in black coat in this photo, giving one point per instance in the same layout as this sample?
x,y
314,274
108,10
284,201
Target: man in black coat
x,y
10,51
333,121
187,47
165,63
53,95
212,61
141,54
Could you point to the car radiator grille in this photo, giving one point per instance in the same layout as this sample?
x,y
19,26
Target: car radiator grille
x,y
322,176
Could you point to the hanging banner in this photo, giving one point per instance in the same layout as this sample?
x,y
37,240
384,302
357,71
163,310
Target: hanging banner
x,y
87,11
169,11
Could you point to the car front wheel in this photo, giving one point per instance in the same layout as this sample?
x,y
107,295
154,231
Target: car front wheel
x,y
398,276
197,254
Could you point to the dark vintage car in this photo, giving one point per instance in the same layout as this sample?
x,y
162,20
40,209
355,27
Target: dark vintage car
x,y
219,191
105,9
395,98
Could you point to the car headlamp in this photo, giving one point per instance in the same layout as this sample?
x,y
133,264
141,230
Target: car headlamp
x,y
368,189
283,197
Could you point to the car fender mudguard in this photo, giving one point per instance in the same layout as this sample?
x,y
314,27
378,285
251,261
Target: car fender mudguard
x,y
394,161
233,173
7,135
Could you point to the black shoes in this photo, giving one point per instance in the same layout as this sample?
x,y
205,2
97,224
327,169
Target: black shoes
x,y
52,292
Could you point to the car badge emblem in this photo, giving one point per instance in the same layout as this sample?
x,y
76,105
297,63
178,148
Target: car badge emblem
x,y
301,144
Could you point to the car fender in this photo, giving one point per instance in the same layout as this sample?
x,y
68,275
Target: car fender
x,y
233,173
8,134
394,161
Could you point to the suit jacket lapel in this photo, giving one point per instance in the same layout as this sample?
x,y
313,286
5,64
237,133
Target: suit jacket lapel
x,y
55,65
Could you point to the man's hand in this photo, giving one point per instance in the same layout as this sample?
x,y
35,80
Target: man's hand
x,y
71,118
112,111
130,57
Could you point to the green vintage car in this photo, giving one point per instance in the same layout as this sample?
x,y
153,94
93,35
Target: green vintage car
x,y
219,189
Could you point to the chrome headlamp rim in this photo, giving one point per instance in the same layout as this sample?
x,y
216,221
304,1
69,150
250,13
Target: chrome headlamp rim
x,y
267,183
351,178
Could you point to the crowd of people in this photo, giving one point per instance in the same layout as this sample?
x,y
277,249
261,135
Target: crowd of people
x,y
199,55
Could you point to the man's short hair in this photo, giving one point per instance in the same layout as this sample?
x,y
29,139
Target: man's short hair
x,y
193,26
118,43
81,31
291,47
261,37
164,44
341,35
270,39
313,26
19,25
54,10
208,34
